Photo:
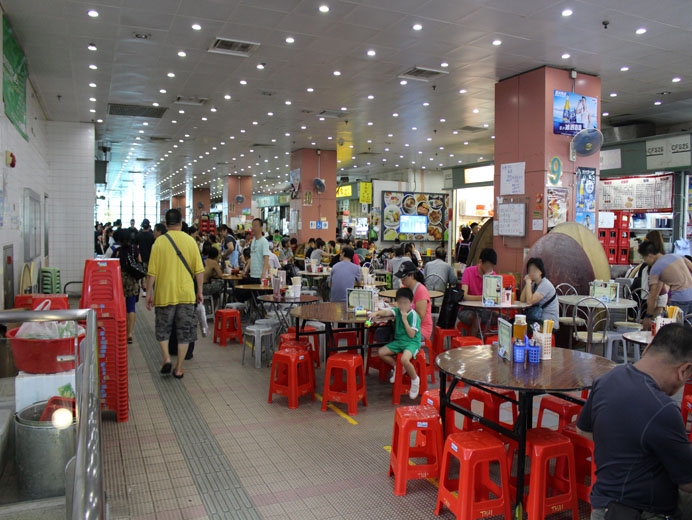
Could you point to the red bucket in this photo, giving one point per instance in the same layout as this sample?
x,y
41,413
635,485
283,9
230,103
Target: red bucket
x,y
39,356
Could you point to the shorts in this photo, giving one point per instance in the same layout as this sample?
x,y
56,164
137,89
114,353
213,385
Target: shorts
x,y
130,304
467,317
182,316
398,346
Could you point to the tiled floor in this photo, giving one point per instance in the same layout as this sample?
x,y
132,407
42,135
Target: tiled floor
x,y
210,446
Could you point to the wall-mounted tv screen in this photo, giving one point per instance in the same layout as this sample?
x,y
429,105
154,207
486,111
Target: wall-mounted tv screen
x,y
413,224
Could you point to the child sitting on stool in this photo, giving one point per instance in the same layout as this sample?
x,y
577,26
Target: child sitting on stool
x,y
407,337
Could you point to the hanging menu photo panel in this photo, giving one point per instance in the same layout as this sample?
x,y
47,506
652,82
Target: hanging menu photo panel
x,y
511,219
647,193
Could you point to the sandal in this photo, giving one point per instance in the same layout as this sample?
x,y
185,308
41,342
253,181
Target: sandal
x,y
129,341
166,368
178,376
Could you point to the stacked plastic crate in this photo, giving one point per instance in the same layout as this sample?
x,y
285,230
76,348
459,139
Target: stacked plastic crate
x,y
207,226
616,241
103,291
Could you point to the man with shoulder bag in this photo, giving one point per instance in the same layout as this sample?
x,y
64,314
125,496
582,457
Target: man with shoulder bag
x,y
174,267
642,454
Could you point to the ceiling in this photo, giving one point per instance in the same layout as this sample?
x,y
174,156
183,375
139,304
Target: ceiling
x,y
214,139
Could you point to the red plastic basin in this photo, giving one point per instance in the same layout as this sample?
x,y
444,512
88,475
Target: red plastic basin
x,y
39,356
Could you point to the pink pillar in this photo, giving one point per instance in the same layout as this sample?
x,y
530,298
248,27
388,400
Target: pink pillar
x,y
165,205
315,206
179,203
200,195
524,133
242,185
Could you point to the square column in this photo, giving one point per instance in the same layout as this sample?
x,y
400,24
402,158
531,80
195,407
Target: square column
x,y
202,195
232,186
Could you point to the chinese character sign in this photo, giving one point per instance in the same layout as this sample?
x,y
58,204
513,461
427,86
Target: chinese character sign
x,y
573,112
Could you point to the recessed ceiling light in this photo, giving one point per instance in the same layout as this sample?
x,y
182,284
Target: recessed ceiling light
x,y
196,27
476,111
395,114
254,123
657,103
566,56
497,42
443,120
260,66
243,82
91,47
155,104
624,68
92,99
310,89
337,73
417,27
676,80
426,104
369,123
491,137
92,110
212,109
444,64
403,82
343,109
463,91
466,143
641,30
93,13
93,67
290,39
92,85
227,96
181,111
613,94
372,52
145,124
162,91
370,96
182,54
324,8
567,12
287,102
414,128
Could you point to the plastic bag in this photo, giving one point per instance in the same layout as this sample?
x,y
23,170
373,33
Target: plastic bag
x,y
202,319
48,329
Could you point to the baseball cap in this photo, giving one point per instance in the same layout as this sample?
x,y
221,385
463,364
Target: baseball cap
x,y
145,222
406,269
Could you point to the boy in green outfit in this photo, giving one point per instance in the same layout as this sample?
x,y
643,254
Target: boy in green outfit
x,y
407,337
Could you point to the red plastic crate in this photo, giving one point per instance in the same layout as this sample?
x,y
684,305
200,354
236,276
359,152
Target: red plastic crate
x,y
612,239
602,235
612,254
624,259
622,220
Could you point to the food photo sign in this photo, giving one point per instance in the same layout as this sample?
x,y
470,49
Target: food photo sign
x,y
414,216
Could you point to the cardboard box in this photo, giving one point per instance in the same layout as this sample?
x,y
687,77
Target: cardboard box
x,y
31,388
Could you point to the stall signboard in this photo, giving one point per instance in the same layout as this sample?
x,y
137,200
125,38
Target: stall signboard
x,y
644,193
573,112
585,211
344,191
430,205
268,201
365,193
668,152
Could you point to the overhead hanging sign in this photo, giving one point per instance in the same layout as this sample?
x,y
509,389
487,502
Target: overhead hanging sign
x,y
344,191
647,193
366,192
669,152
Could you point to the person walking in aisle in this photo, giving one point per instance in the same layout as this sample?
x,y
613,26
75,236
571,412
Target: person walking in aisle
x,y
175,264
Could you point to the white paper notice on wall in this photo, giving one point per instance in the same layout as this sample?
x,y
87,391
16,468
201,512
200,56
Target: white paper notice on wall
x,y
496,227
606,219
512,178
512,219
537,224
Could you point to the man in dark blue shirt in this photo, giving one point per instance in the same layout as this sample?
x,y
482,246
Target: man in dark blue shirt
x,y
642,454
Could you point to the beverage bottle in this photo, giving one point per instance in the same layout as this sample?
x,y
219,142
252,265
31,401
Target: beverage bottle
x,y
565,112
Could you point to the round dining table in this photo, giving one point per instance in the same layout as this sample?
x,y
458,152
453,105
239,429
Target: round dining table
x,y
254,308
502,310
639,337
276,302
482,367
576,299
227,280
391,293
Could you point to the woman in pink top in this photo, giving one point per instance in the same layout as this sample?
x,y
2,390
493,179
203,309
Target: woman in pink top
x,y
412,278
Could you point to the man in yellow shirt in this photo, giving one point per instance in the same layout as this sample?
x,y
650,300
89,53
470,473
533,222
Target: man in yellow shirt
x,y
174,293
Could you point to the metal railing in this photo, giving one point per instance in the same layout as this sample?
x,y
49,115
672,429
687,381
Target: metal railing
x,y
86,501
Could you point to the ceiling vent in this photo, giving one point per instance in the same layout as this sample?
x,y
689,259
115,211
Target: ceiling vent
x,y
332,114
367,154
159,138
223,163
266,93
261,145
190,100
116,109
422,74
472,129
233,47
144,159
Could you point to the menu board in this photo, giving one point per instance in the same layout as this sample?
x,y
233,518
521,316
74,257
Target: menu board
x,y
430,205
648,193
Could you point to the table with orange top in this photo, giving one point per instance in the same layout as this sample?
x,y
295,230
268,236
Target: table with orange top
x,y
482,367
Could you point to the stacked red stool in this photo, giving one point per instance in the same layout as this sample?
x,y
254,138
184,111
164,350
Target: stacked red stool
x,y
351,338
474,451
402,381
353,391
374,361
303,369
585,467
492,403
430,367
465,341
305,342
227,326
566,411
313,339
102,290
292,375
425,421
439,336
432,398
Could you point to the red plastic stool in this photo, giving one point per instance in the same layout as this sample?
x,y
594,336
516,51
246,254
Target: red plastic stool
x,y
585,466
350,337
375,362
432,398
430,367
439,336
227,326
686,409
295,386
423,420
491,404
305,346
353,365
567,412
304,341
463,329
543,445
466,341
402,381
474,451
314,339
490,339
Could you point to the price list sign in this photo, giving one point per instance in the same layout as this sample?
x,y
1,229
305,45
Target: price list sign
x,y
650,193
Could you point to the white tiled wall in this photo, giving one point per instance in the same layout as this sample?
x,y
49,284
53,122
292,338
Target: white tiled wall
x,y
71,197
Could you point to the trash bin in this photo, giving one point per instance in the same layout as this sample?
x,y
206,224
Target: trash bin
x,y
42,452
